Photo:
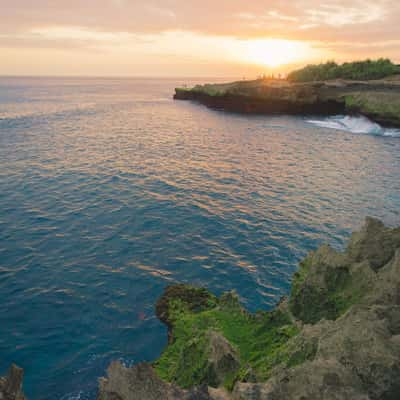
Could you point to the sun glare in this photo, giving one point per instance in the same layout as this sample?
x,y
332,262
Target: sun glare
x,y
276,52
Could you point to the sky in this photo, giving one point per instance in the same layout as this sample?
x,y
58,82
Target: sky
x,y
191,38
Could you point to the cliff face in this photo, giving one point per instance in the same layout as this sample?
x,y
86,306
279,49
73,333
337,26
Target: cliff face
x,y
337,337
378,100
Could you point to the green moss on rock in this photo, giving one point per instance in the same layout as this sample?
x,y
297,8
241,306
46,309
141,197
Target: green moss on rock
x,y
215,341
312,301
259,341
382,106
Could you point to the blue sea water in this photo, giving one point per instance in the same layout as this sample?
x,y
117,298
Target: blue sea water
x,y
110,190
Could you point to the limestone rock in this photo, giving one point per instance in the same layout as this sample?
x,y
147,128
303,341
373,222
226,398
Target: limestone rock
x,y
375,243
344,309
222,358
357,352
141,383
11,385
321,380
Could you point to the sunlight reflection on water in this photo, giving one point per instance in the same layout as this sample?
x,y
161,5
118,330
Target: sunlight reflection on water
x,y
110,190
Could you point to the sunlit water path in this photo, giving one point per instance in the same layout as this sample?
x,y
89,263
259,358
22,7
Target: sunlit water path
x,y
110,190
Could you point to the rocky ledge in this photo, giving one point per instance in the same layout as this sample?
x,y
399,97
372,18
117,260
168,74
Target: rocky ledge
x,y
336,338
378,100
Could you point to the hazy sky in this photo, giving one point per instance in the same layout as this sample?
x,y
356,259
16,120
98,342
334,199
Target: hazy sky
x,y
190,38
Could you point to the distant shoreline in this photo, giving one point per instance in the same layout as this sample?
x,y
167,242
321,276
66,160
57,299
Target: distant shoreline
x,y
378,100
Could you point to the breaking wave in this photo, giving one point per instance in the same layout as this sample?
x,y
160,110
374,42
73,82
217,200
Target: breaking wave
x,y
359,124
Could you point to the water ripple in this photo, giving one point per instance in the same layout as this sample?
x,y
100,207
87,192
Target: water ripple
x,y
109,191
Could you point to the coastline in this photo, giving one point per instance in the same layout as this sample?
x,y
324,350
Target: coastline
x,y
335,337
377,100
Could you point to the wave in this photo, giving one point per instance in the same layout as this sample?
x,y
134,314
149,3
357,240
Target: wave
x,y
359,124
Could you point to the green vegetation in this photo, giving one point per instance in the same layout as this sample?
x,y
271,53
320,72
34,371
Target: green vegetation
x,y
214,341
260,341
311,301
359,70
386,106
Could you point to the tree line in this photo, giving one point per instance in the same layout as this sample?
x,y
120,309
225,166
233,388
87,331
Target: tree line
x,y
358,70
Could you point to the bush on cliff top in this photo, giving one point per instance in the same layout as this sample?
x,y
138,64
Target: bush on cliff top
x,y
359,70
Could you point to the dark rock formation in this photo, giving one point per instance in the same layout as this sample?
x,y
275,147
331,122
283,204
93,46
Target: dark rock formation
x,y
378,100
195,299
11,385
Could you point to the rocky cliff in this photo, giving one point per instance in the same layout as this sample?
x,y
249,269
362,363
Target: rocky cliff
x,y
336,338
378,100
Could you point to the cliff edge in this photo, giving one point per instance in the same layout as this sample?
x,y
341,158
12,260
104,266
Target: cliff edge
x,y
378,100
336,338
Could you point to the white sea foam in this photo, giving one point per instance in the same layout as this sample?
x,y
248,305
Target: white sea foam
x,y
360,124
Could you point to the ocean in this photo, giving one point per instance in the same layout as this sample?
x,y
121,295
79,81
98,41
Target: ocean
x,y
110,190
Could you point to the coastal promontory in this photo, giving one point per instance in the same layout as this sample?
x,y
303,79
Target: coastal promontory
x,y
337,337
319,93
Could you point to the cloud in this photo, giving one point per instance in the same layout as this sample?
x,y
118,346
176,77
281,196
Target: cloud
x,y
199,30
337,16
224,17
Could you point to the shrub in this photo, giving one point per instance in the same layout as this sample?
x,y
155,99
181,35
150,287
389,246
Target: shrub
x,y
359,70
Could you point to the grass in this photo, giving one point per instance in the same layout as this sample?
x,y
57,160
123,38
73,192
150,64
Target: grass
x,y
263,341
386,105
260,341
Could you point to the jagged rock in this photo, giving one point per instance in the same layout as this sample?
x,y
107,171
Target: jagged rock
x,y
357,353
11,385
374,243
219,394
321,380
141,383
337,338
223,359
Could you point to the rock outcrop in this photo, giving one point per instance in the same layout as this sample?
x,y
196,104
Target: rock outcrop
x,y
378,100
141,383
11,385
336,338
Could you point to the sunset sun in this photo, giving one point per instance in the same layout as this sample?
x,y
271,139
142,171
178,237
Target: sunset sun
x,y
276,52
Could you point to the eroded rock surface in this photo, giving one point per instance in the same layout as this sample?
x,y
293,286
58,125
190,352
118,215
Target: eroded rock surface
x,y
356,331
141,383
11,385
336,338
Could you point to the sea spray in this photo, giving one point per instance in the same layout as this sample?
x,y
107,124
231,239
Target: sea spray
x,y
354,124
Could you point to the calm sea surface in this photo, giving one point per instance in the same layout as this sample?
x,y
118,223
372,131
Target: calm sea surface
x,y
110,190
